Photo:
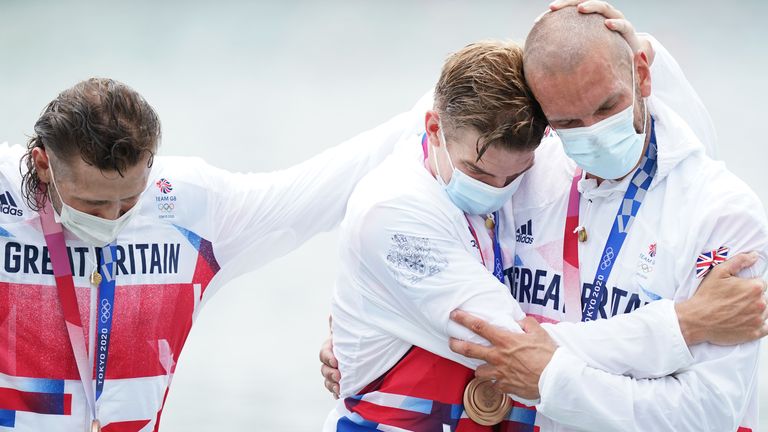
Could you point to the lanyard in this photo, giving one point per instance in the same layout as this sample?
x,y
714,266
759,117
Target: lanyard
x,y
54,239
571,278
106,312
498,265
628,210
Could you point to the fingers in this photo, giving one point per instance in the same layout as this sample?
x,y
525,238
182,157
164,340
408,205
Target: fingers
x,y
487,372
333,388
559,4
621,26
478,326
736,264
528,324
326,354
330,374
332,377
471,350
600,7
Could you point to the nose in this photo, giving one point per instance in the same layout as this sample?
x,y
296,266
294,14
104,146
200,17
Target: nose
x,y
591,120
110,211
500,182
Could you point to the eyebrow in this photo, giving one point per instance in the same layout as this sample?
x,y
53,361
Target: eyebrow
x,y
100,202
477,168
607,103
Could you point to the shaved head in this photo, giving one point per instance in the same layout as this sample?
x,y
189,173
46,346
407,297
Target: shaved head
x,y
560,41
581,72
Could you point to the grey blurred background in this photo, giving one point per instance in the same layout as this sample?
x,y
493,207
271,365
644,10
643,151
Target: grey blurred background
x,y
257,86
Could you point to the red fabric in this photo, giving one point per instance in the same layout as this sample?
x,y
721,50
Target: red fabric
x,y
125,426
421,374
38,345
41,403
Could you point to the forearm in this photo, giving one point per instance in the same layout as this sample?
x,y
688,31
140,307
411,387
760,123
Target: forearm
x,y
709,396
646,343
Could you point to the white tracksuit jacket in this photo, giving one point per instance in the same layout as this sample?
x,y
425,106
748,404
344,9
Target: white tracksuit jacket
x,y
399,216
197,228
694,205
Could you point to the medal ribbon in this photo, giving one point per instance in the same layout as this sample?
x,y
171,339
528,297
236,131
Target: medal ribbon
x,y
498,265
630,206
571,278
106,312
65,286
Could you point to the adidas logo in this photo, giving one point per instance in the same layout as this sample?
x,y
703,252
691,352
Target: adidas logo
x,y
525,233
8,205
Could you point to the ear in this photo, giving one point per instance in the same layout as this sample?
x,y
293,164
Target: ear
x,y
41,163
643,73
432,125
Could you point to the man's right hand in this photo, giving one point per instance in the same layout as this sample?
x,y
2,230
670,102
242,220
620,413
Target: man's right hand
x,y
726,309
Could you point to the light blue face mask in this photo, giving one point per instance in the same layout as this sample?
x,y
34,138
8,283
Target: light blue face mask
x,y
471,195
610,148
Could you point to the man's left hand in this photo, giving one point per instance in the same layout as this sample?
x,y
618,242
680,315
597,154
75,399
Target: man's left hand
x,y
515,361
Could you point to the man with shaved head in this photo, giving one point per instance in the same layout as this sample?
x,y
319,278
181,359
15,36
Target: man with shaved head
x,y
645,213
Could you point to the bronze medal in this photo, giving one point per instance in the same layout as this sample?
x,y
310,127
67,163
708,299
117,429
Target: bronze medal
x,y
583,235
95,278
484,404
95,426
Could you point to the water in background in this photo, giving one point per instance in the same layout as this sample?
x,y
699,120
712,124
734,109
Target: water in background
x,y
255,86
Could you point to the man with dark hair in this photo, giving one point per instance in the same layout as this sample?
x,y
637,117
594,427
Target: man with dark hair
x,y
112,251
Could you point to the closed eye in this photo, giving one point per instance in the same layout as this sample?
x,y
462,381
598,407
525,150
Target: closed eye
x,y
565,124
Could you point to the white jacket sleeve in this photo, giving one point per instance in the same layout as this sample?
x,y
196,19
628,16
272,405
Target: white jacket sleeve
x,y
647,343
393,232
671,86
710,395
261,216
424,271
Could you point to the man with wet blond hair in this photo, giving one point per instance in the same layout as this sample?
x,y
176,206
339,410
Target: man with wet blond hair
x,y
421,238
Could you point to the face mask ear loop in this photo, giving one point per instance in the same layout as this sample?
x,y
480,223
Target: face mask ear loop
x,y
645,104
53,180
445,145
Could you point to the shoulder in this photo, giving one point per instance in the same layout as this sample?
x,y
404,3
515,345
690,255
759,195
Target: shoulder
x,y
715,187
185,169
13,208
723,209
10,162
400,191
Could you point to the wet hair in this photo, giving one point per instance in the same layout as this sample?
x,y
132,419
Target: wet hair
x,y
482,86
101,121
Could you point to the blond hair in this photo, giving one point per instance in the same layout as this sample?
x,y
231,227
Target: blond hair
x,y
483,86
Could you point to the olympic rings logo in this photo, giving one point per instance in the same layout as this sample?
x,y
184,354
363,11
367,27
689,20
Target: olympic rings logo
x,y
607,259
106,310
644,267
166,207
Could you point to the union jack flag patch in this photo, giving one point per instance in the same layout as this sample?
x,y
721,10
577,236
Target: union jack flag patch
x,y
708,260
164,185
